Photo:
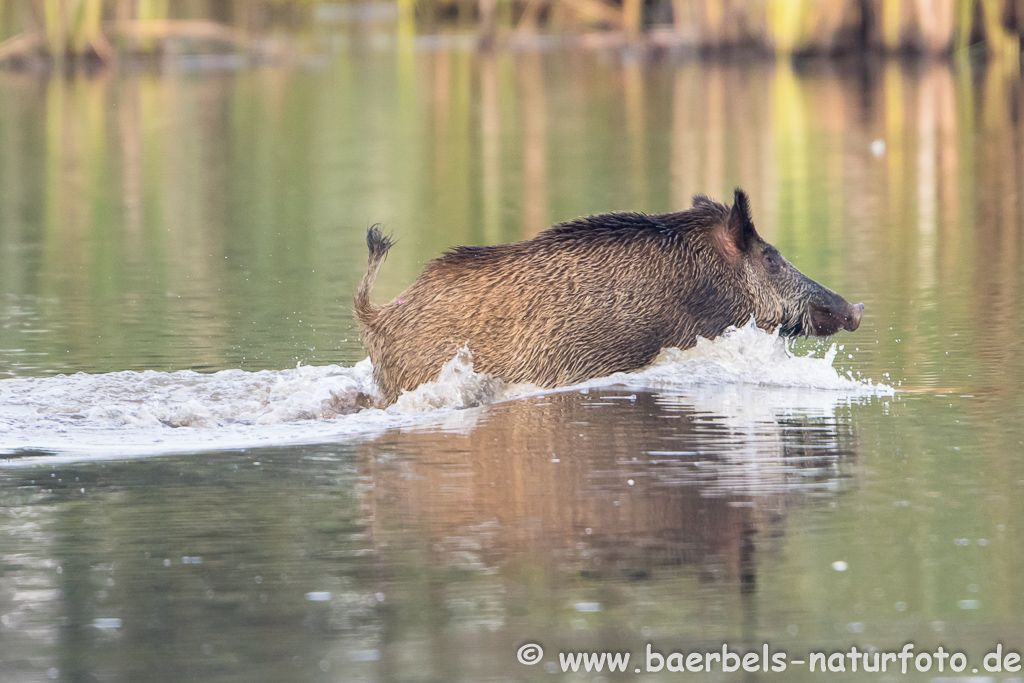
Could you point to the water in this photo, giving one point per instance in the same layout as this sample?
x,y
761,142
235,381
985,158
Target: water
x,y
190,487
150,413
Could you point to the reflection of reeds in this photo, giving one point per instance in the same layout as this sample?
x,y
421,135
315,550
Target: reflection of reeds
x,y
490,143
535,144
636,129
933,231
489,148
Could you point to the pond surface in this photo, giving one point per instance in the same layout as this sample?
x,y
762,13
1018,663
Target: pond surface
x,y
201,504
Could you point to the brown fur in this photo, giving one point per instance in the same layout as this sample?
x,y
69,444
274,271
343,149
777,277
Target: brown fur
x,y
587,298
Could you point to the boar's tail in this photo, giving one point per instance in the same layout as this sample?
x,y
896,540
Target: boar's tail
x,y
378,243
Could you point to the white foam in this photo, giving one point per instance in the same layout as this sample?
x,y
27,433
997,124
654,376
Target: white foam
x,y
456,387
747,377
147,413
746,356
123,414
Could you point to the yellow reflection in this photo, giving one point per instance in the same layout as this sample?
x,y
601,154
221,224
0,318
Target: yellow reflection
x,y
685,136
490,134
535,147
791,128
636,129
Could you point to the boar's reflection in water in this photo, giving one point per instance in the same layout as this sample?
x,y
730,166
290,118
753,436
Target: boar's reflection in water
x,y
590,297
596,485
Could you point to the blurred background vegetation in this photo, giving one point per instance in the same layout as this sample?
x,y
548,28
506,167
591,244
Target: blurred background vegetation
x,y
209,216
47,31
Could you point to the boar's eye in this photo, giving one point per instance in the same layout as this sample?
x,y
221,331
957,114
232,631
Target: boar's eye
x,y
772,262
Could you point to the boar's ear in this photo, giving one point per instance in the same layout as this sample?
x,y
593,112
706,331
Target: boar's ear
x,y
740,226
733,237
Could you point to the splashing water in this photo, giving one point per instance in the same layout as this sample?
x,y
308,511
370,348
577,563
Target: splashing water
x,y
147,413
747,355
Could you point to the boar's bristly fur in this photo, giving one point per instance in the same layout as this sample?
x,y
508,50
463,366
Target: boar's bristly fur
x,y
590,297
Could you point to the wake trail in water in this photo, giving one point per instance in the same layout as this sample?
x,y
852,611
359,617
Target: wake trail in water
x,y
124,414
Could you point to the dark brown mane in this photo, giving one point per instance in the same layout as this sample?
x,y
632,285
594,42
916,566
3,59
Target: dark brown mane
x,y
622,224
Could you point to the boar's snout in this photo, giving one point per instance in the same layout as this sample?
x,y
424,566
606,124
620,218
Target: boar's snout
x,y
853,319
829,317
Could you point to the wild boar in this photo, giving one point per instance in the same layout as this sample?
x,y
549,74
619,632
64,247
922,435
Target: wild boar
x,y
590,297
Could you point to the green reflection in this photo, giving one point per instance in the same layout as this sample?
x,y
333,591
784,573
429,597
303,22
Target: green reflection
x,y
177,219
174,219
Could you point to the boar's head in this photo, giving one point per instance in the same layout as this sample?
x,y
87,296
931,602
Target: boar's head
x,y
780,295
